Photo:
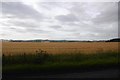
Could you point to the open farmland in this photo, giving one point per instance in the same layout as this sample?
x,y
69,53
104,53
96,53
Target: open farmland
x,y
36,63
58,47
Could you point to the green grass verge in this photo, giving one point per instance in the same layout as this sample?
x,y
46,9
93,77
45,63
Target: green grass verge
x,y
47,62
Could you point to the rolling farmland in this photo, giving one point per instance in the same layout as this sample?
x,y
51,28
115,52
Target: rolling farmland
x,y
58,47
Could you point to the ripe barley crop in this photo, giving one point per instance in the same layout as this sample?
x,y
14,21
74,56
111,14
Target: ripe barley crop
x,y
58,47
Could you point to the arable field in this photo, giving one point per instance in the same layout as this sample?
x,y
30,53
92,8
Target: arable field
x,y
46,58
58,47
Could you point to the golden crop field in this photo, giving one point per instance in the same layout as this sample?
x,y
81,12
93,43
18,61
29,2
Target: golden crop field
x,y
58,47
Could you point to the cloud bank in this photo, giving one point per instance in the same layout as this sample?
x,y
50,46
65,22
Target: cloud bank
x,y
59,20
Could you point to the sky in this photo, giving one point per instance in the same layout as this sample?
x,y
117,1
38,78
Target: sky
x,y
59,20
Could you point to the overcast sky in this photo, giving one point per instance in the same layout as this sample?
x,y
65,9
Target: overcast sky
x,y
59,20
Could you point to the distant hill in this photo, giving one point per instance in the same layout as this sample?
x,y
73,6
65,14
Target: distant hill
x,y
40,40
114,40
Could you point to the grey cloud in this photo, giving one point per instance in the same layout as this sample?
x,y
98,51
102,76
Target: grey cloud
x,y
16,25
25,24
56,26
108,15
118,19
36,30
60,28
78,8
12,28
108,11
71,26
17,30
5,24
107,31
67,18
29,30
48,5
119,10
70,30
20,10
